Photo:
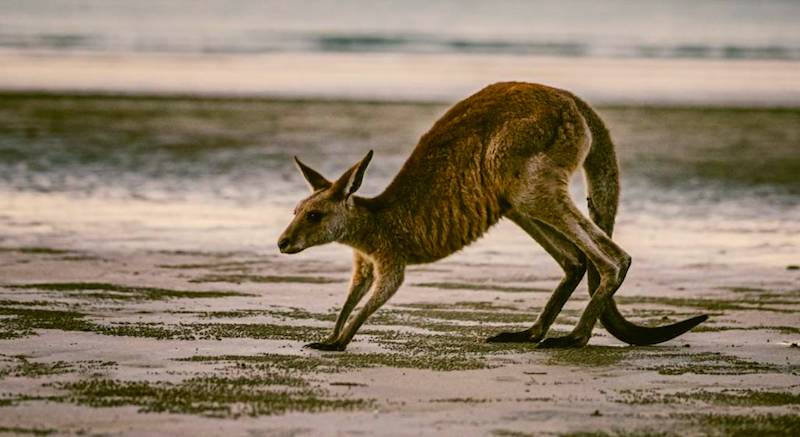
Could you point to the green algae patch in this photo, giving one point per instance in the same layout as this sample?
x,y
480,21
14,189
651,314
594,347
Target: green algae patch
x,y
442,362
281,313
663,361
710,363
458,340
451,352
26,431
738,397
225,265
212,396
474,315
272,279
620,433
38,250
208,331
712,305
101,290
731,397
21,322
712,328
762,425
24,367
593,356
339,362
479,305
267,331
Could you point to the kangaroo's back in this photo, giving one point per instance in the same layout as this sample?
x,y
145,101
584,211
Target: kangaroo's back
x,y
456,183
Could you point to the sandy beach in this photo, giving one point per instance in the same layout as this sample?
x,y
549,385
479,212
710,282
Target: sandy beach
x,y
141,291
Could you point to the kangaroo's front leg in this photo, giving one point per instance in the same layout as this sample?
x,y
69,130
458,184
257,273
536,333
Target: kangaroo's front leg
x,y
359,284
388,278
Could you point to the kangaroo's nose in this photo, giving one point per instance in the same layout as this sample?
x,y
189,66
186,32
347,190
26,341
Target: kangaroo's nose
x,y
283,244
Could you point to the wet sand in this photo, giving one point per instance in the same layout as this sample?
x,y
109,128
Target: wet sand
x,y
141,341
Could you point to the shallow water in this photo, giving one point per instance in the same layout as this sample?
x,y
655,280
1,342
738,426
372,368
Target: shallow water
x,y
194,173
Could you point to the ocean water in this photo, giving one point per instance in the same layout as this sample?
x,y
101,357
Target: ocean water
x,y
574,28
706,51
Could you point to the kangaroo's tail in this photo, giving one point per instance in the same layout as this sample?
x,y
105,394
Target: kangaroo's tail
x,y
602,187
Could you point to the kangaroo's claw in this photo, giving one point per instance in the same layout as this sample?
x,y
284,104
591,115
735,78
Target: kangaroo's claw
x,y
325,346
567,341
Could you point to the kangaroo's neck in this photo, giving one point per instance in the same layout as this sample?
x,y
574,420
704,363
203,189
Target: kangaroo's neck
x,y
365,231
378,227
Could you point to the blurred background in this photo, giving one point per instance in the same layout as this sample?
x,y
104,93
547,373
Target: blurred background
x,y
680,51
174,123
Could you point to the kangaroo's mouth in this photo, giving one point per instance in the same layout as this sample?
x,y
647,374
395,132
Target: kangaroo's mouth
x,y
291,250
286,246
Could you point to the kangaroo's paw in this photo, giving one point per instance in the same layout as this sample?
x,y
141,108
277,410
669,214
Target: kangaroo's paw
x,y
512,337
326,346
567,341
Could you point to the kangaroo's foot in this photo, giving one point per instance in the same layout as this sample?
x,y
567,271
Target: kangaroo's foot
x,y
529,335
567,341
327,345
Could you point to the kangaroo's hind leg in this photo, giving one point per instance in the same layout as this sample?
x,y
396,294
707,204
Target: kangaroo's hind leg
x,y
571,260
552,205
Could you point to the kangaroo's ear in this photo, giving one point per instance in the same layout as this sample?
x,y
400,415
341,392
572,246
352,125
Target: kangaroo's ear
x,y
315,180
350,181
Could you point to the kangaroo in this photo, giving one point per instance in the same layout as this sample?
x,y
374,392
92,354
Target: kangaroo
x,y
508,150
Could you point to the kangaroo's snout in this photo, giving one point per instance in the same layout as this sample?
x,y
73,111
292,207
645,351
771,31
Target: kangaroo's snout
x,y
288,246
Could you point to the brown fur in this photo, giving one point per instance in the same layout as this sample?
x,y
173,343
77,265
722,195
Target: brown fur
x,y
508,150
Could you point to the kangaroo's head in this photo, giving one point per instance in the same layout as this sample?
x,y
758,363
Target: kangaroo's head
x,y
329,213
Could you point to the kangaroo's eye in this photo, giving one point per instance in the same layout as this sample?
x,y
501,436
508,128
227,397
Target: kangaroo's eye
x,y
314,216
